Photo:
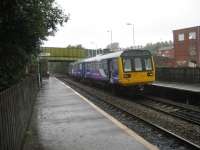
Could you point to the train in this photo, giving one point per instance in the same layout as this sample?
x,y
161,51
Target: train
x,y
127,68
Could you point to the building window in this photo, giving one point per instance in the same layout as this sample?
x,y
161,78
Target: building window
x,y
192,35
192,50
181,37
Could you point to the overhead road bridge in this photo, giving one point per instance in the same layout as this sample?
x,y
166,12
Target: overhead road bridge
x,y
56,60
62,54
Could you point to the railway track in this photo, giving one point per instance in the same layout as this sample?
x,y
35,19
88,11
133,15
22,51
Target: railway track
x,y
189,114
110,100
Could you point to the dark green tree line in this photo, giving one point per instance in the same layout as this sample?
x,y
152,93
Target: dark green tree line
x,y
24,24
153,47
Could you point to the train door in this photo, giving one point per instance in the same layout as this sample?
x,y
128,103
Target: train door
x,y
83,70
110,70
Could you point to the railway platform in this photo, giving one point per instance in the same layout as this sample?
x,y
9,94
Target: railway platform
x,y
178,86
64,120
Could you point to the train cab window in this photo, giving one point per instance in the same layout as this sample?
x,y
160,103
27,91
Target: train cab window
x,y
127,64
147,64
138,64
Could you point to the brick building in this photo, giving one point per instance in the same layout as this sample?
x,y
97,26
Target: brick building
x,y
165,57
187,46
166,52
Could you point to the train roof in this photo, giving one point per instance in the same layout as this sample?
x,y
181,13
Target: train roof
x,y
124,53
105,56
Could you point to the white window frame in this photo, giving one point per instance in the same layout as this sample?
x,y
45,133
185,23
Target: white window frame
x,y
192,35
181,37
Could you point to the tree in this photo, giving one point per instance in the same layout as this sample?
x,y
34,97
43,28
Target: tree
x,y
153,47
113,46
79,46
24,24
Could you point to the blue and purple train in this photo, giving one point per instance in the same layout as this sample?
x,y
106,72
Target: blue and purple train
x,y
125,68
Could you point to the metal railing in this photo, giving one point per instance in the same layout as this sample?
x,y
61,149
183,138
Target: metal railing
x,y
16,105
185,75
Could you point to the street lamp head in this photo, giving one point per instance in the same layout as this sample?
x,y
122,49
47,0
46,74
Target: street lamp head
x,y
129,23
110,38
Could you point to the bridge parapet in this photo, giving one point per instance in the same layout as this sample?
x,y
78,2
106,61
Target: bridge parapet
x,y
63,54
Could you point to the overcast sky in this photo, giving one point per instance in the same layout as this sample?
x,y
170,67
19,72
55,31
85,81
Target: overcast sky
x,y
153,21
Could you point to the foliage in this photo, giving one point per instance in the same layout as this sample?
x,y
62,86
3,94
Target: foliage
x,y
24,24
153,47
113,46
79,46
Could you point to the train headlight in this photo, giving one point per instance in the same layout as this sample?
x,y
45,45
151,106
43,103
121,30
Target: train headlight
x,y
127,75
149,74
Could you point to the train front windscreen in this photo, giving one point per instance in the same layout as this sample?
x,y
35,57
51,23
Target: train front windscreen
x,y
137,64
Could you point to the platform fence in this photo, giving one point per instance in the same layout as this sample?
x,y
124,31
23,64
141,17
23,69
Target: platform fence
x,y
183,75
16,105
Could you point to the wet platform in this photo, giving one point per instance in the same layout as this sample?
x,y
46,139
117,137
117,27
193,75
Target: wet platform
x,y
178,86
64,120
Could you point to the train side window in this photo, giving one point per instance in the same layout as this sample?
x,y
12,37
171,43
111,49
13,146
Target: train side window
x,y
147,64
86,66
96,65
105,66
127,64
100,65
93,66
90,66
138,64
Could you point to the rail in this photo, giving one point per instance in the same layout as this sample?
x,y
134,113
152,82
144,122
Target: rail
x,y
126,107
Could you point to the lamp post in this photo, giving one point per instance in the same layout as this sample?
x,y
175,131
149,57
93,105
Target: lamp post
x,y
110,39
38,71
131,24
95,47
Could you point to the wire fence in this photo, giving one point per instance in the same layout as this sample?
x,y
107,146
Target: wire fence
x,y
16,105
185,75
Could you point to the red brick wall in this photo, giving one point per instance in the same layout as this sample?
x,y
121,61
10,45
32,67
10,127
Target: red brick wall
x,y
166,53
184,50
